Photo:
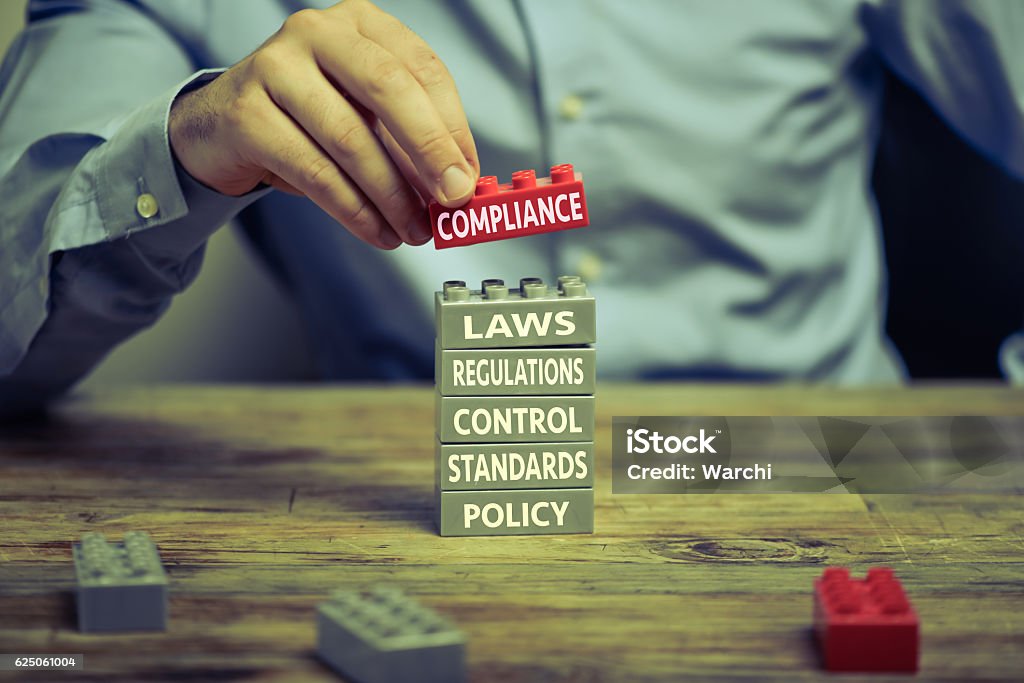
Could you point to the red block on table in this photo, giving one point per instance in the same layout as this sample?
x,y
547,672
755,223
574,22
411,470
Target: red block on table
x,y
865,625
527,206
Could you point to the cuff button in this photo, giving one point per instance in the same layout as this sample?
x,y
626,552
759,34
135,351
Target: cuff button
x,y
146,205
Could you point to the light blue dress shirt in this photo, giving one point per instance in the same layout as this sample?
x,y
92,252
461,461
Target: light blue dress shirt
x,y
726,148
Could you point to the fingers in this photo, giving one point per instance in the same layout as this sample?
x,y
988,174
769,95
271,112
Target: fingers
x,y
383,84
278,184
402,160
428,69
346,106
341,130
293,157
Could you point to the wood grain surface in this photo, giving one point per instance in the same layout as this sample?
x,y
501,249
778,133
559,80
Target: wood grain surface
x,y
262,500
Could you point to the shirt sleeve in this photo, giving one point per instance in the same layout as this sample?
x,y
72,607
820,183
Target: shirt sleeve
x,y
966,57
99,227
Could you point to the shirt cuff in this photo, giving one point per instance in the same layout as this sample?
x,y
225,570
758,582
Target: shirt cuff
x,y
141,186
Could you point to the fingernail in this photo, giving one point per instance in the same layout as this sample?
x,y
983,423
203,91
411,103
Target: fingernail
x,y
455,184
389,239
419,231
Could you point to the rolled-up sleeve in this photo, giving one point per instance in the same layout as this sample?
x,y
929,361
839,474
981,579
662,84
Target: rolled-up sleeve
x,y
966,57
99,227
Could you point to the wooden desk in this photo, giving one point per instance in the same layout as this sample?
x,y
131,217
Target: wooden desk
x,y
262,500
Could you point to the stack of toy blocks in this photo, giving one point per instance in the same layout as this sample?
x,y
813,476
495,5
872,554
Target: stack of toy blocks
x,y
121,586
865,625
515,374
382,636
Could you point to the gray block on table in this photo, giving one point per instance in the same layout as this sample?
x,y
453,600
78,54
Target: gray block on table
x,y
121,586
516,372
535,315
383,636
480,467
511,513
514,419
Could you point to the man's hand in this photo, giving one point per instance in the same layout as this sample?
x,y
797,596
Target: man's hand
x,y
346,106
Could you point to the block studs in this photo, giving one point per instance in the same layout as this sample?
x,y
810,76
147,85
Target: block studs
x,y
487,184
496,292
562,173
457,293
522,180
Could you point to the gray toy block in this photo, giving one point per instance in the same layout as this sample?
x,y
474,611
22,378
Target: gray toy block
x,y
121,586
514,419
479,467
383,636
515,372
499,317
510,513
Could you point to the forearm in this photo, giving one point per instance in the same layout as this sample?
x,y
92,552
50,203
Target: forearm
x,y
98,229
98,296
94,249
102,294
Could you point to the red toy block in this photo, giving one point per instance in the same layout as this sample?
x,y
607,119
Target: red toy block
x,y
865,625
526,206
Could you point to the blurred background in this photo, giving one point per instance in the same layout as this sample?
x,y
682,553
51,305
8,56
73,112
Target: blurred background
x,y
953,226
954,237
